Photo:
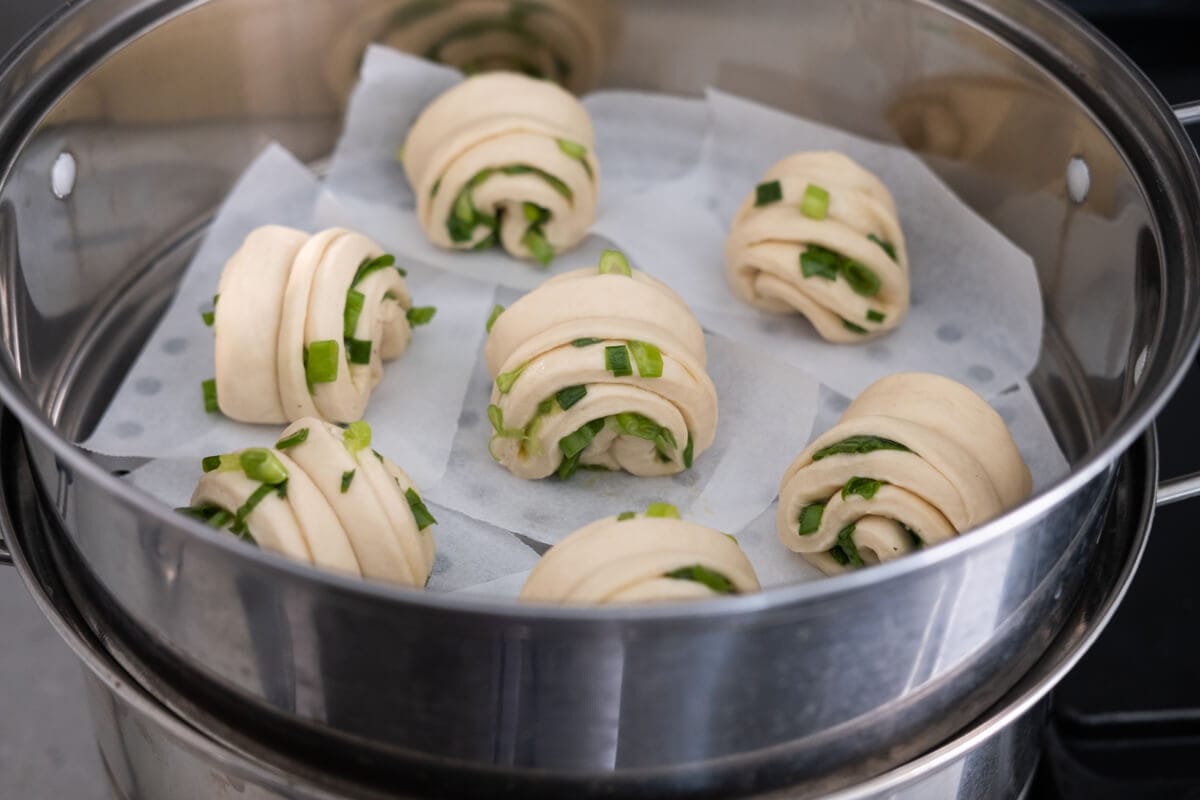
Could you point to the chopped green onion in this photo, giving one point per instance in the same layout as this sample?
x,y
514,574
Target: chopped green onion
x,y
857,445
506,380
639,426
648,358
260,464
718,583
862,279
433,191
875,316
865,488
850,326
614,262
496,416
574,444
421,315
662,510
626,515
572,149
357,437
355,300
815,204
210,396
464,209
347,479
378,455
370,265
666,445
487,242
420,512
616,360
209,317
299,437
588,342
555,183
570,396
239,520
224,463
538,246
403,273
848,547
837,555
497,310
816,260
810,518
322,362
687,453
462,222
545,407
358,351
733,539
888,247
480,178
767,193
534,214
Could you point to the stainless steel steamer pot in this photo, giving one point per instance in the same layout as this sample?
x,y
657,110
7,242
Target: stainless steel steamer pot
x,y
150,752
1026,112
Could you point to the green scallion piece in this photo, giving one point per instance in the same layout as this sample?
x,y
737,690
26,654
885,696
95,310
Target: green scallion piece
x,y
614,262
850,326
545,407
223,463
848,547
616,360
767,193
239,520
632,424
297,438
434,190
648,358
497,310
496,416
357,437
209,387
210,463
358,351
534,214
572,149
575,443
626,515
815,203
810,518
420,512
820,262
862,279
588,342
370,265
421,315
876,316
662,510
322,363
347,479
355,300
857,445
715,581
570,396
505,381
539,247
865,488
687,453
260,464
888,247
209,317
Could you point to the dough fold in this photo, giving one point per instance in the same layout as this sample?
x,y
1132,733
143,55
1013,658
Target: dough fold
x,y
639,558
330,501
599,370
915,460
504,158
287,299
820,236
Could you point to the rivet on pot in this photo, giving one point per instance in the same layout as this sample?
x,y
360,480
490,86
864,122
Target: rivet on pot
x,y
62,175
1079,179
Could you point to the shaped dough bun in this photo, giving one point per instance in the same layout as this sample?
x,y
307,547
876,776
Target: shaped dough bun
x,y
637,558
915,460
505,158
599,370
341,506
286,296
820,236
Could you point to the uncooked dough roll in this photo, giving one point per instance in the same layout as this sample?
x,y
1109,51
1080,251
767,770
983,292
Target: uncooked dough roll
x,y
504,158
603,369
915,460
324,497
820,236
304,323
641,558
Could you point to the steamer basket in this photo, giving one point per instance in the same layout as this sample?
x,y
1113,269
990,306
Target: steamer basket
x,y
161,103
